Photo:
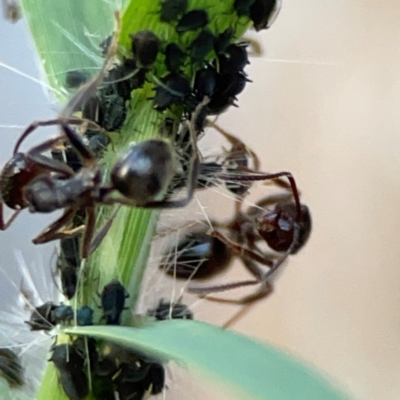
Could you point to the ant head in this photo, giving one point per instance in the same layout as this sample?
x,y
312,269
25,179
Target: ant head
x,y
278,227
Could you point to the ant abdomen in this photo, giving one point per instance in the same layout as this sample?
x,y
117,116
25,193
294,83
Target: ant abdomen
x,y
197,256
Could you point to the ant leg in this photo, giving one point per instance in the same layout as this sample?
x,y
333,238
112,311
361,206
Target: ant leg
x,y
89,231
247,302
69,233
88,89
237,144
261,177
3,224
49,163
57,121
248,257
80,147
101,233
52,231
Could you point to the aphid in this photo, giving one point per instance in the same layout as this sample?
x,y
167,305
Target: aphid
x,y
48,315
242,7
172,9
201,46
204,82
75,78
192,21
11,10
234,59
113,299
10,367
145,46
84,316
263,13
238,159
174,89
42,318
174,57
166,310
223,40
69,364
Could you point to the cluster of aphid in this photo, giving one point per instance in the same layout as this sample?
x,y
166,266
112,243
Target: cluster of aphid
x,y
197,76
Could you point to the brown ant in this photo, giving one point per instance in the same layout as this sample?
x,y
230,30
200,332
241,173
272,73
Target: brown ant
x,y
202,254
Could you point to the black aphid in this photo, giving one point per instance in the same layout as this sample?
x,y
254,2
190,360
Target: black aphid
x,y
69,364
75,78
192,21
172,9
145,46
113,299
201,46
242,7
223,40
264,12
174,90
174,57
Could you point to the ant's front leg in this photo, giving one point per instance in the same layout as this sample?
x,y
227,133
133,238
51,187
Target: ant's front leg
x,y
57,121
3,224
52,232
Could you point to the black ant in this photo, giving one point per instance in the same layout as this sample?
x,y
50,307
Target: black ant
x,y
45,185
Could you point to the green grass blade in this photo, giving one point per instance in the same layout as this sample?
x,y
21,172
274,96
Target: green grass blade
x,y
250,368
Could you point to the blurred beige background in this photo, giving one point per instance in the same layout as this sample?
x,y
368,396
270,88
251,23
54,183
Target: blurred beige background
x,y
324,104
329,112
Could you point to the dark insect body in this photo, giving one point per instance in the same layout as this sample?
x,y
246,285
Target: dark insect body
x,y
286,229
264,12
242,7
174,57
32,180
197,256
201,46
239,159
175,88
48,315
172,9
10,367
167,310
113,299
145,46
75,78
192,21
127,373
69,363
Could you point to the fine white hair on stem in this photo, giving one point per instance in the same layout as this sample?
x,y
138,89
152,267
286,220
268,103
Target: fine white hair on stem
x,y
31,347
